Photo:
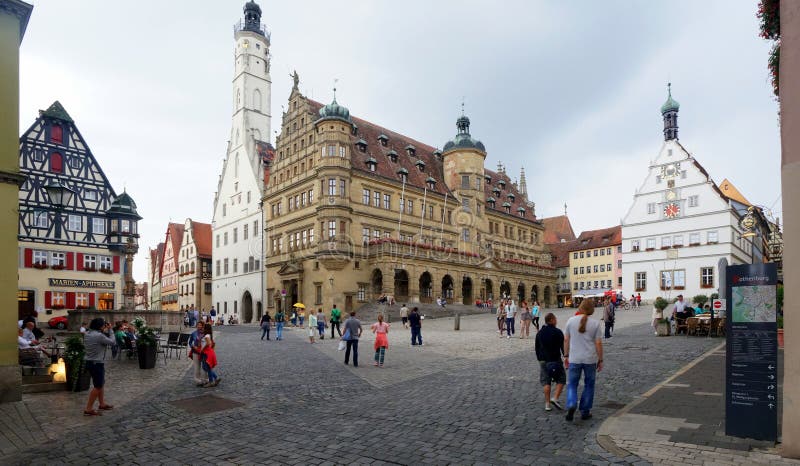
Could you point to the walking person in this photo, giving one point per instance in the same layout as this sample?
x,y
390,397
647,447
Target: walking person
x,y
657,316
608,317
209,356
97,340
213,313
301,316
535,313
196,354
265,324
583,340
510,313
352,328
501,317
525,318
381,331
404,315
280,317
336,317
321,323
415,321
294,318
312,326
549,348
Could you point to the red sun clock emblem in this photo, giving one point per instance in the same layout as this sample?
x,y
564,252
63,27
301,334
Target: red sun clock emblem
x,y
672,210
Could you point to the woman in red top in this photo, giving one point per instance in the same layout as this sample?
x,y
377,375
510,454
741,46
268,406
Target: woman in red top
x,y
209,357
381,331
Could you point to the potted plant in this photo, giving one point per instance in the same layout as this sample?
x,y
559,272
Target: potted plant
x,y
146,343
663,328
78,378
700,300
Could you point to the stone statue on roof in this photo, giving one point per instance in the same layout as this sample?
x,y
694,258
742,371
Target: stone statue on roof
x,y
296,78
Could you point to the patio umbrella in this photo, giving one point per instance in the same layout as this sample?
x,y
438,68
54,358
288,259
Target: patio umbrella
x,y
300,305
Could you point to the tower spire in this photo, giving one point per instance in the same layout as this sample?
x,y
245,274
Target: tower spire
x,y
523,185
565,209
669,111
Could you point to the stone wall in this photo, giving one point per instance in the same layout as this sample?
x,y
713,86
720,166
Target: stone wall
x,y
154,318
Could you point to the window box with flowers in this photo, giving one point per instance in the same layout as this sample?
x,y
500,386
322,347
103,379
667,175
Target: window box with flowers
x,y
106,270
664,247
650,249
39,265
58,306
89,268
57,267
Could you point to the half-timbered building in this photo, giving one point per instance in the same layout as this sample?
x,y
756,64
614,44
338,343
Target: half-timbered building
x,y
154,274
73,228
169,267
194,266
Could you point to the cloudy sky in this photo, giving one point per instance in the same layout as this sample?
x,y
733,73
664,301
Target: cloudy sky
x,y
570,91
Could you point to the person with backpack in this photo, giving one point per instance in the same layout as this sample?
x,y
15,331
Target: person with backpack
x,y
608,317
280,317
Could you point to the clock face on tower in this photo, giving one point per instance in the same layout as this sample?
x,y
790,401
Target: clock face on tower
x,y
672,210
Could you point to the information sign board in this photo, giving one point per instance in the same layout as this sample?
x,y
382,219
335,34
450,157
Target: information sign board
x,y
751,393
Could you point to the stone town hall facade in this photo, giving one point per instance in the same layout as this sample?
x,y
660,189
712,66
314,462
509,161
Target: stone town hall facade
x,y
353,210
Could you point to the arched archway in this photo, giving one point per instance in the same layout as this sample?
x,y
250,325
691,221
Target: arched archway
x,y
520,292
447,287
488,290
505,289
376,282
534,293
547,296
247,307
425,287
466,290
400,285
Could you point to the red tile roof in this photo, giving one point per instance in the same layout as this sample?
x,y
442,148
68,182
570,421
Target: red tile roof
x,y
202,238
433,166
560,253
156,255
175,232
599,238
557,228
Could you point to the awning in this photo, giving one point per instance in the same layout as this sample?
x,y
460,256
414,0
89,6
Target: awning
x,y
591,293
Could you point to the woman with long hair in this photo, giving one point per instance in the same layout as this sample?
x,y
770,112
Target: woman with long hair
x,y
583,340
501,317
525,318
381,331
535,312
209,356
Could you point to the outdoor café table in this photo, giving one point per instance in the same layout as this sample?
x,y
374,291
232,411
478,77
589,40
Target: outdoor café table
x,y
705,323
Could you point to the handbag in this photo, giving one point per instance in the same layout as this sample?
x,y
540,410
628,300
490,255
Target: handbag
x,y
342,345
346,335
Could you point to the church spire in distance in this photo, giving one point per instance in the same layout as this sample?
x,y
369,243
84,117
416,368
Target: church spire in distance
x,y
669,111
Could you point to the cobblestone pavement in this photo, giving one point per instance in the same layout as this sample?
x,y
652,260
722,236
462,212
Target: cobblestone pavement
x,y
466,397
682,420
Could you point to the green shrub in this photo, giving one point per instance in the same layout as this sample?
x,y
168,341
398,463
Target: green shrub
x,y
660,303
700,300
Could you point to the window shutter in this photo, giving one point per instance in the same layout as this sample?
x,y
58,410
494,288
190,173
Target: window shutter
x,y
48,299
79,261
116,264
70,300
28,257
70,261
91,299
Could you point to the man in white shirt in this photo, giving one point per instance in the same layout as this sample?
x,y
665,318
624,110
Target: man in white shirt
x,y
27,333
511,312
680,306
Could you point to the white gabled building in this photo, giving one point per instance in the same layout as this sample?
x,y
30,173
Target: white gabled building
x,y
238,278
679,225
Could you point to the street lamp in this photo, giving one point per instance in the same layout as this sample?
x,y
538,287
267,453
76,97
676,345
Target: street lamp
x,y
60,196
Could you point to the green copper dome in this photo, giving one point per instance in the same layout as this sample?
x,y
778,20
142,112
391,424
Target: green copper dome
x,y
334,111
124,205
671,105
463,140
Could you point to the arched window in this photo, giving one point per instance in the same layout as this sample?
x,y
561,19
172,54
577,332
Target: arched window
x,y
56,163
257,100
56,134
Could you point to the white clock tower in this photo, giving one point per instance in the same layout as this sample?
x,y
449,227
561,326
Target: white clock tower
x,y
237,229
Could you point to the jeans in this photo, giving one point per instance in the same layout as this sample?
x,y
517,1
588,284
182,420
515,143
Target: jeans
x,y
336,326
354,345
380,354
321,329
609,326
212,376
416,335
509,326
265,331
301,320
573,378
279,331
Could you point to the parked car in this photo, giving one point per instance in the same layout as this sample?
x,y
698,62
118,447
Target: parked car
x,y
58,322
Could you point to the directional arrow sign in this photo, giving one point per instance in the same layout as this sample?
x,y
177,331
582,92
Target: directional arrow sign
x,y
771,397
770,367
771,377
771,405
770,387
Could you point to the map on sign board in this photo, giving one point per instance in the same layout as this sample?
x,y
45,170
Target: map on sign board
x,y
754,303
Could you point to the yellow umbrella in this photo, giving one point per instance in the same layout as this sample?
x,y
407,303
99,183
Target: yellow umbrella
x,y
300,305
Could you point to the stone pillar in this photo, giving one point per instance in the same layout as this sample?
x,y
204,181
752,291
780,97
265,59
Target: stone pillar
x,y
790,173
413,284
14,16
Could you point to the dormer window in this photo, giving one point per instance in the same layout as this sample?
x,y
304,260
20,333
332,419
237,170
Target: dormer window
x,y
412,151
507,207
362,145
492,202
372,164
521,211
488,179
438,154
392,155
403,175
431,183
420,165
383,139
355,129
511,196
496,191
502,184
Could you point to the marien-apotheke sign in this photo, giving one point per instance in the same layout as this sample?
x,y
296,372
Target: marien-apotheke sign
x,y
81,283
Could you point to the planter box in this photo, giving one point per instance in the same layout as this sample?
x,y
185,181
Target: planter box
x,y
664,329
147,356
84,380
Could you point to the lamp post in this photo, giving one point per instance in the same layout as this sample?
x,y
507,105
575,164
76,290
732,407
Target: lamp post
x,y
60,196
